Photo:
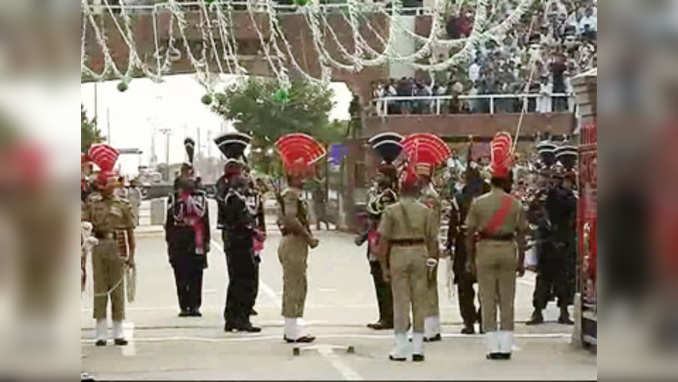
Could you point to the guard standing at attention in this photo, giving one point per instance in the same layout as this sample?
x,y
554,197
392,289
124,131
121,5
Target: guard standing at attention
x,y
556,255
299,153
456,243
380,196
238,226
255,206
187,232
425,152
113,226
499,222
409,248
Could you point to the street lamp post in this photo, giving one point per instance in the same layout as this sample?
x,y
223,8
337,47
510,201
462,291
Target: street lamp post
x,y
167,133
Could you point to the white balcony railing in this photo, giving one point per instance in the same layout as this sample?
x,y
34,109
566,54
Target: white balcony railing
x,y
435,104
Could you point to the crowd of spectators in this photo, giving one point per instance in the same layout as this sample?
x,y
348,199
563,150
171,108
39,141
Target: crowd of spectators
x,y
557,38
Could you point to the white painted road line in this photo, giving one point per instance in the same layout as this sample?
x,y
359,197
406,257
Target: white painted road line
x,y
128,331
327,352
275,298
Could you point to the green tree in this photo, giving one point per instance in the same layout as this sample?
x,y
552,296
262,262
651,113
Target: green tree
x,y
89,133
256,107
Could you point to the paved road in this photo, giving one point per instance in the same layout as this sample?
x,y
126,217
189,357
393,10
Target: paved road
x,y
340,302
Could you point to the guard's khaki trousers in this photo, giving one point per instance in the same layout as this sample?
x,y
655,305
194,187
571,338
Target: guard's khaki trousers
x,y
108,274
496,263
292,253
409,286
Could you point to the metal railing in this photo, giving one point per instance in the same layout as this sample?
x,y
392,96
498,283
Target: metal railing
x,y
434,104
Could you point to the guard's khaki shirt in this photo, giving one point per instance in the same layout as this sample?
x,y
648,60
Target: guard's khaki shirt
x,y
484,207
410,219
108,214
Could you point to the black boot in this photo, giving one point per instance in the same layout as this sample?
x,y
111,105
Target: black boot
x,y
536,319
380,325
565,317
249,328
185,313
435,338
468,329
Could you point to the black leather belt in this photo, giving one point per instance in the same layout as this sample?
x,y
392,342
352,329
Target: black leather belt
x,y
106,235
497,237
407,242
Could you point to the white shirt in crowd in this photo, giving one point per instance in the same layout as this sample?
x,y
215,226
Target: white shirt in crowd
x,y
544,104
474,71
558,8
380,91
591,21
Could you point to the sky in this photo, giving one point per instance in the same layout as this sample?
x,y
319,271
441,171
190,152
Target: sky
x,y
137,114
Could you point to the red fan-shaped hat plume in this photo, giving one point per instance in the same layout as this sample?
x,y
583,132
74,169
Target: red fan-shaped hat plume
x,y
425,152
105,157
501,159
299,152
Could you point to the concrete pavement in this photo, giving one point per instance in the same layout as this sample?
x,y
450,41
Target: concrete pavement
x,y
340,302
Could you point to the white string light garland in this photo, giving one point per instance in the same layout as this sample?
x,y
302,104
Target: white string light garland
x,y
217,21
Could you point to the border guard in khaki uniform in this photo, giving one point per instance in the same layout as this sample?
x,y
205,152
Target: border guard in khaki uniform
x,y
380,196
499,221
425,153
113,226
409,246
299,154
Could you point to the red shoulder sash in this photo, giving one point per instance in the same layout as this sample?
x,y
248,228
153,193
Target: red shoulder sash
x,y
498,218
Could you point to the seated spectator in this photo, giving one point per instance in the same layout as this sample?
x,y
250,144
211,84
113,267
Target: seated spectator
x,y
588,25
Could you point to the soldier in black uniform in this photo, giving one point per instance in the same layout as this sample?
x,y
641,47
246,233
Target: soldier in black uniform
x,y
553,211
456,236
237,224
381,195
187,232
255,206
